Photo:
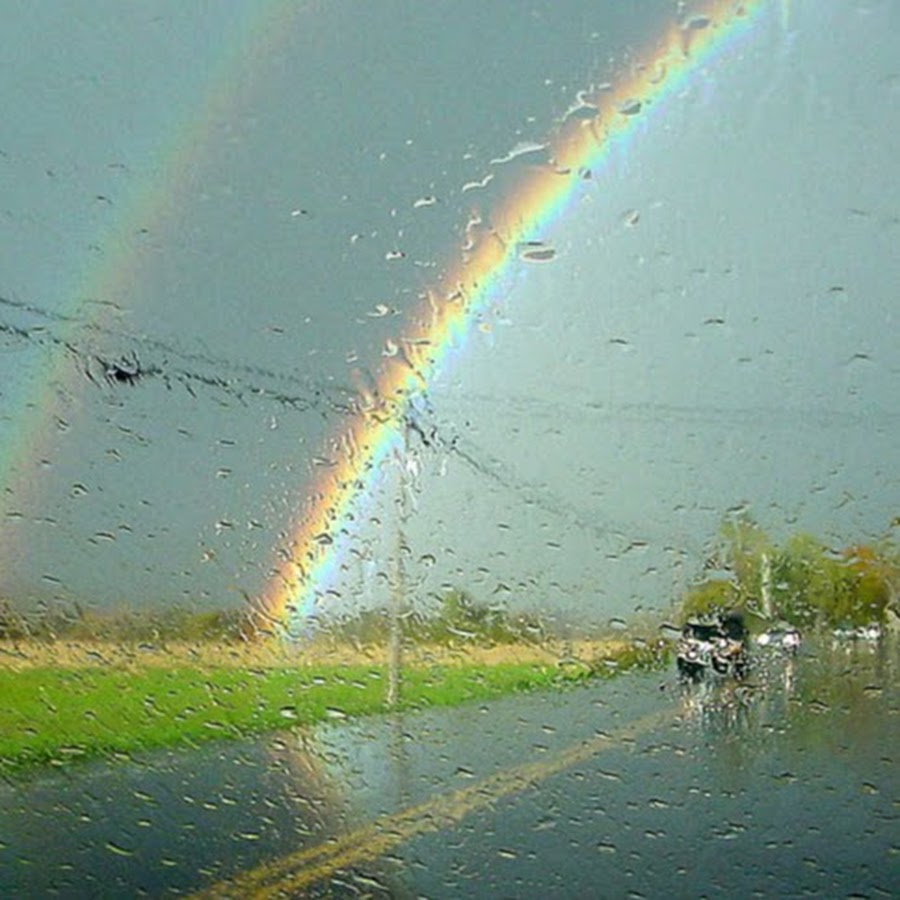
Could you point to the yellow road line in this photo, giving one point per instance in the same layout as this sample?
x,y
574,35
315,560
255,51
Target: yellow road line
x,y
295,871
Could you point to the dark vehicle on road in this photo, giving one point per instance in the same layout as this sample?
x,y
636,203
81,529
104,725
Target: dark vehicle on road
x,y
713,648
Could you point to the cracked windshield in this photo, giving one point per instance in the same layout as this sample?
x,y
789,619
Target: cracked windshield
x,y
450,449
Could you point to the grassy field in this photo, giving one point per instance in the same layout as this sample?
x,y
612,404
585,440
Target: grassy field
x,y
325,651
52,715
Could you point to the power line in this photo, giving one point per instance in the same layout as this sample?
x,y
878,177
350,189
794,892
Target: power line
x,y
164,361
440,438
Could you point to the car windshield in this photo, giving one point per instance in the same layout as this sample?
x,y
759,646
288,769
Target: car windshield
x,y
449,449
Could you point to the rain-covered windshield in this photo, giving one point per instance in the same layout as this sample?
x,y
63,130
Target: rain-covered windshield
x,y
441,443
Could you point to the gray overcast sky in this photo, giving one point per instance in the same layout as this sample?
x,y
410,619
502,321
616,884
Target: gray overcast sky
x,y
216,193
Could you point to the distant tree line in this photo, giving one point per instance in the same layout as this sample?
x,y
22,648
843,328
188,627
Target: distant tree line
x,y
802,581
458,619
73,622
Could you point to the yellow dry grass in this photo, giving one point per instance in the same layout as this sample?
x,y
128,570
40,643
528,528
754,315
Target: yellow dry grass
x,y
29,654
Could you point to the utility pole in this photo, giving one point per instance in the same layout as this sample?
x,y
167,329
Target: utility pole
x,y
398,588
765,584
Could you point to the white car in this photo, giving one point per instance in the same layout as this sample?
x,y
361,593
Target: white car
x,y
863,633
787,639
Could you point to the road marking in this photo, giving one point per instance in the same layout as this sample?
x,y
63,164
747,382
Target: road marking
x,y
295,871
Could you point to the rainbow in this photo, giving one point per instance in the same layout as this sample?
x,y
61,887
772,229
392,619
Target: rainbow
x,y
107,275
320,539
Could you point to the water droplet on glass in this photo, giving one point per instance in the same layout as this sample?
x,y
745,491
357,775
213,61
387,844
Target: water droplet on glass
x,y
536,251
698,23
523,148
118,849
474,185
582,112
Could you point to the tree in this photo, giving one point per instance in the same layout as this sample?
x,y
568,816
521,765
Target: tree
x,y
748,550
803,582
708,598
864,588
13,626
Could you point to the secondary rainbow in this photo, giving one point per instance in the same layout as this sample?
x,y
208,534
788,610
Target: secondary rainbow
x,y
116,261
308,565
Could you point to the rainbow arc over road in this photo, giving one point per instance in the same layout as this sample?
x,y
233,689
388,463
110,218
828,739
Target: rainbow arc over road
x,y
323,531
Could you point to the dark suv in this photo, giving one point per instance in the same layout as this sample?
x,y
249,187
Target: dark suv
x,y
716,647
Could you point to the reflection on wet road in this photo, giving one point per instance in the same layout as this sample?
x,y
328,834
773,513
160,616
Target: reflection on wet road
x,y
169,821
297,872
783,786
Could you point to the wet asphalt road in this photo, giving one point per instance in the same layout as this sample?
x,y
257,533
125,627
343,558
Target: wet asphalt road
x,y
786,786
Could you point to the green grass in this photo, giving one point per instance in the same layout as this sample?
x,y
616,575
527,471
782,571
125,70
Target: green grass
x,y
51,716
